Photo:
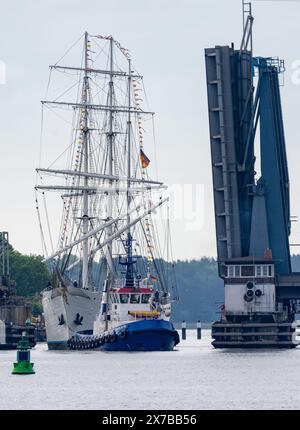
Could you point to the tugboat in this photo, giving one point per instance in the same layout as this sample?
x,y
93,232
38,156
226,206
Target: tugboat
x,y
135,301
15,315
132,318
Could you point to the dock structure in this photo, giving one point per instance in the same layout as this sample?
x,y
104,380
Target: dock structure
x,y
15,314
252,213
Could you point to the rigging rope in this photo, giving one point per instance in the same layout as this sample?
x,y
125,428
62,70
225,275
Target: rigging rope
x,y
44,246
48,224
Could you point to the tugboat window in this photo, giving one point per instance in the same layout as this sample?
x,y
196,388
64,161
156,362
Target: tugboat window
x,y
135,298
145,298
231,271
248,271
124,298
270,270
237,271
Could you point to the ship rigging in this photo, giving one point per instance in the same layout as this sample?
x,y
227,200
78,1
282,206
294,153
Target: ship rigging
x,y
102,176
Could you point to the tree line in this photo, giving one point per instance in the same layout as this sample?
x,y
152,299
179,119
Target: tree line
x,y
199,288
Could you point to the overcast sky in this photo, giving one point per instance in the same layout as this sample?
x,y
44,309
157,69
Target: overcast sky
x,y
167,39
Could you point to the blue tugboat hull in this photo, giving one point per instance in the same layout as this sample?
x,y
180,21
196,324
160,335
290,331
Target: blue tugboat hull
x,y
142,335
145,335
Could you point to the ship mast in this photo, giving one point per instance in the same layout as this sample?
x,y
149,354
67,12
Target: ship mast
x,y
110,140
85,214
129,262
110,136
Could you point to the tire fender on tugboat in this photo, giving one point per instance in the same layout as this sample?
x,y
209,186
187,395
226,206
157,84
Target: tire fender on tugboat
x,y
123,334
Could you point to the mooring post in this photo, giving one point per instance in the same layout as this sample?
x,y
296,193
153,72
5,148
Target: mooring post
x,y
198,330
183,330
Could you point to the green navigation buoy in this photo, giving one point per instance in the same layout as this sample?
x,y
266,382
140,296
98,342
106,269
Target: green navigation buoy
x,y
23,365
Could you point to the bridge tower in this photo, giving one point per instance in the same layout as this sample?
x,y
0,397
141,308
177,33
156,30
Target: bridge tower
x,y
252,212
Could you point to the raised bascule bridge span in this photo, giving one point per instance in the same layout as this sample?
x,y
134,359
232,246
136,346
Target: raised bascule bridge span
x,y
252,212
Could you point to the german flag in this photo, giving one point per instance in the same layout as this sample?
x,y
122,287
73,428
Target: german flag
x,y
153,278
144,159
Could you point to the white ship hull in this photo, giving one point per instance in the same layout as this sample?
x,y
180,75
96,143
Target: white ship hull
x,y
68,311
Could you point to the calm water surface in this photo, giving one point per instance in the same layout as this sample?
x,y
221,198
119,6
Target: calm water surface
x,y
195,376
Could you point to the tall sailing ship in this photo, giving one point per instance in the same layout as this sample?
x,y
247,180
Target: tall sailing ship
x,y
107,266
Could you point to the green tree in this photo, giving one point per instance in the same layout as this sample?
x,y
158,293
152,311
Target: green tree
x,y
29,272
